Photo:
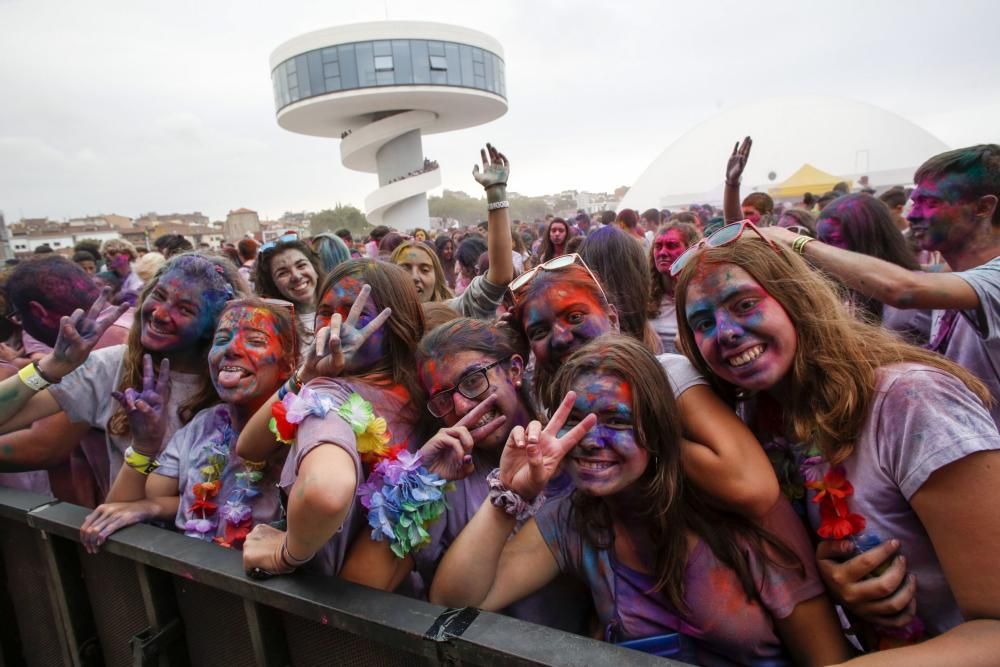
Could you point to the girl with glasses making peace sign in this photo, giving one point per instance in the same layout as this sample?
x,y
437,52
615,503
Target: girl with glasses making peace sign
x,y
473,372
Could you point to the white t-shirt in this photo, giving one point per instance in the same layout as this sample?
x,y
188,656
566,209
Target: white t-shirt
x,y
85,396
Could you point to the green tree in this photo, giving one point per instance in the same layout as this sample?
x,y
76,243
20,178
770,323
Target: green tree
x,y
339,217
457,205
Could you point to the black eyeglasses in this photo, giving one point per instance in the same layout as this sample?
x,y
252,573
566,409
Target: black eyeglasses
x,y
472,385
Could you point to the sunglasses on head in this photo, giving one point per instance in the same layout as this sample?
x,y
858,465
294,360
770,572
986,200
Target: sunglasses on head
x,y
271,245
729,234
517,287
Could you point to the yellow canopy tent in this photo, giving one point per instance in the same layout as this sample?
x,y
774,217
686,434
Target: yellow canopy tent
x,y
807,179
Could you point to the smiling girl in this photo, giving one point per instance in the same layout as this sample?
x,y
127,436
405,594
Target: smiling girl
x,y
289,269
198,482
657,558
473,373
178,310
560,306
359,371
898,449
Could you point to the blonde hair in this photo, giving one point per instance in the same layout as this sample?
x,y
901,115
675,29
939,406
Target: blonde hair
x,y
146,266
836,358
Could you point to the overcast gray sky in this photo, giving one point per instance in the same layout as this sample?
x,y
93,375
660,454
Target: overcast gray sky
x,y
130,106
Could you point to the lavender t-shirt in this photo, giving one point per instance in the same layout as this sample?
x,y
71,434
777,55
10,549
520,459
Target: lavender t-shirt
x,y
188,452
85,396
388,402
725,627
563,603
921,420
975,340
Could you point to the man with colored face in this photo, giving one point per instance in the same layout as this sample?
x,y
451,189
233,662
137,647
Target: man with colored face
x,y
956,211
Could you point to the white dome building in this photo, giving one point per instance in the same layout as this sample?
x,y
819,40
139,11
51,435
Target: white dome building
x,y
842,137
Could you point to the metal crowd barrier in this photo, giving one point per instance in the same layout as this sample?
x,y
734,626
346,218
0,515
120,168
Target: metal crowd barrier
x,y
154,597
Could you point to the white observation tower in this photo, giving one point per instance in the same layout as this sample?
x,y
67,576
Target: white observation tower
x,y
378,87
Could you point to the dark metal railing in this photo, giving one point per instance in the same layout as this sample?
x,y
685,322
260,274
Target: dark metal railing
x,y
154,597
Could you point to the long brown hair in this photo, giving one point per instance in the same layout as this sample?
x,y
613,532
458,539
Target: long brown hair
x,y
391,287
619,261
441,291
836,358
548,251
225,284
672,507
691,235
264,283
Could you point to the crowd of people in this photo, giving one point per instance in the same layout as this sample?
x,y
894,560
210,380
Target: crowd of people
x,y
761,435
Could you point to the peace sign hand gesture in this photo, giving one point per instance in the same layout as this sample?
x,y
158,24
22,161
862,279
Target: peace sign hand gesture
x,y
146,409
738,161
496,168
449,452
78,334
532,456
336,346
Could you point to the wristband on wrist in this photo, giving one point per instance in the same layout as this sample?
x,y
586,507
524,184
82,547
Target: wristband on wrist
x,y
140,462
799,243
510,501
732,184
498,205
32,378
38,369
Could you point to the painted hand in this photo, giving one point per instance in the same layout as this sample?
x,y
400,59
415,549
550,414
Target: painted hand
x,y
78,334
147,409
110,517
449,452
262,553
888,599
336,346
496,168
738,161
532,455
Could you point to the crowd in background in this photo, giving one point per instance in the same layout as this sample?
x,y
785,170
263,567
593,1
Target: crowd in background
x,y
764,434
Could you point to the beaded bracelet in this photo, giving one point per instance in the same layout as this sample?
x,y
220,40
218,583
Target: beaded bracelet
x,y
510,501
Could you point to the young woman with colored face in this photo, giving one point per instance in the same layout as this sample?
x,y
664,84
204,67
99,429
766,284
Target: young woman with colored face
x,y
862,223
558,310
289,269
200,483
473,373
554,239
368,323
897,448
483,294
178,310
669,242
658,559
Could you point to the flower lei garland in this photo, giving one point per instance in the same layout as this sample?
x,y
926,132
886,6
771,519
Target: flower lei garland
x,y
837,522
236,513
401,496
